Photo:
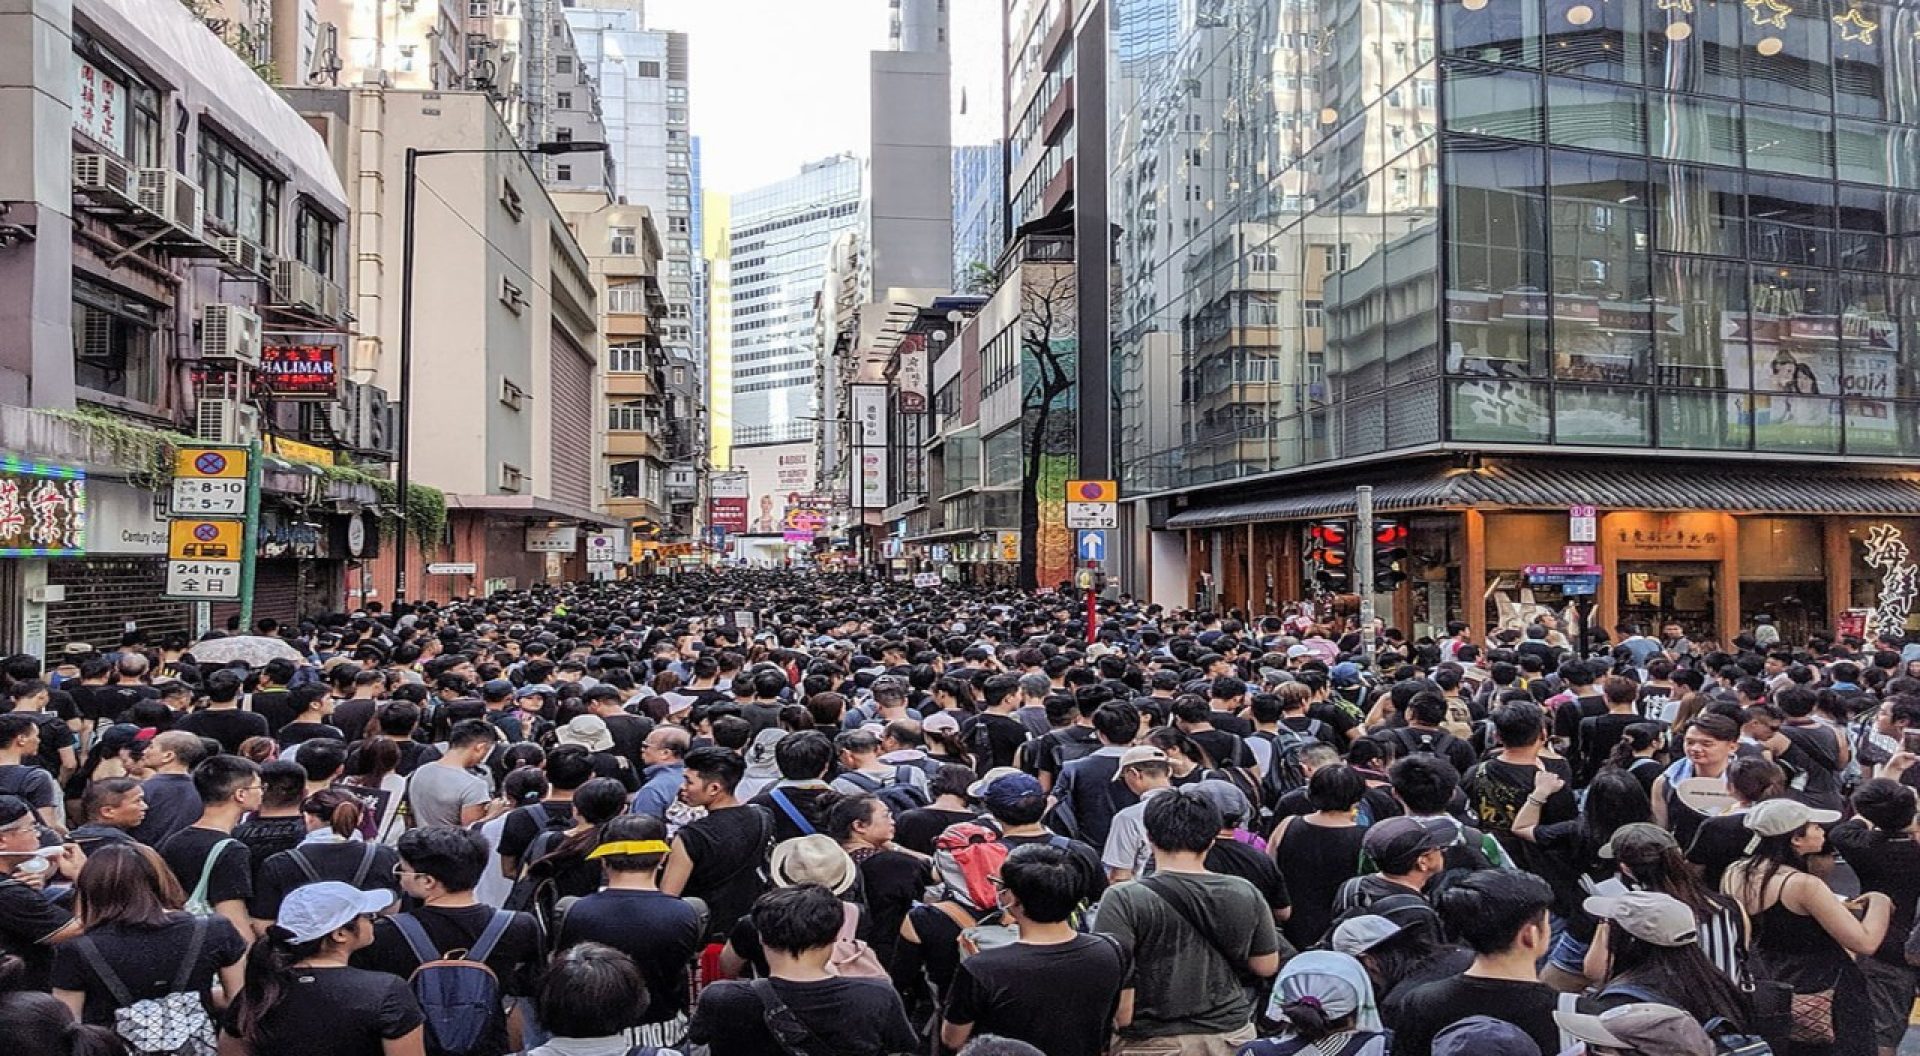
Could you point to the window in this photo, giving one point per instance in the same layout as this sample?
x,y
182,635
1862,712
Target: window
x,y
563,100
239,195
563,64
676,95
478,9
627,298
118,112
116,342
313,237
649,69
623,480
632,418
678,225
627,359
677,115
563,173
679,375
407,52
563,135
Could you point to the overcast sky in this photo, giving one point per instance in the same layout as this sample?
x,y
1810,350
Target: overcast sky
x,y
775,82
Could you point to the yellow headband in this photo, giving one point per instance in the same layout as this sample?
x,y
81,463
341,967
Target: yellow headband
x,y
607,850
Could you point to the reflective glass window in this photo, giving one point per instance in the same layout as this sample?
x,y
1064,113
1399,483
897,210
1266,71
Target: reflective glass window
x,y
1497,299
1492,102
1602,280
1596,116
1698,210
1790,221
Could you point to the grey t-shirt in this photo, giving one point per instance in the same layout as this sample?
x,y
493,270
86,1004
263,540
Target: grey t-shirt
x,y
1182,984
436,794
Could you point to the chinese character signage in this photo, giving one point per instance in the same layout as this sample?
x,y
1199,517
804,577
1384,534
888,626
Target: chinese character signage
x,y
727,502
99,106
912,377
308,370
43,510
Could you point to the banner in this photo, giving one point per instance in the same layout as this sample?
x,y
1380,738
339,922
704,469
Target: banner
x,y
307,369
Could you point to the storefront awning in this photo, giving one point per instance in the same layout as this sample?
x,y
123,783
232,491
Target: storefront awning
x,y
533,508
1556,485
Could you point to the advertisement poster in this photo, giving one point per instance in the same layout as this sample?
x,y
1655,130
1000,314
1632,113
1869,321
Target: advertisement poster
x,y
727,502
304,370
779,477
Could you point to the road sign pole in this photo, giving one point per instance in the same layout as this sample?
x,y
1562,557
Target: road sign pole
x,y
250,537
1362,550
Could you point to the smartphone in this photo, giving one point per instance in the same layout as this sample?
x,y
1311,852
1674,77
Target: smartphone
x,y
1910,741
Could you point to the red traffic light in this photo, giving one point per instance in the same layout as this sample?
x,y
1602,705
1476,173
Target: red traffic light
x,y
1328,533
1390,533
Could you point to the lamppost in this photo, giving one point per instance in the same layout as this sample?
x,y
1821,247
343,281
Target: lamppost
x,y
403,466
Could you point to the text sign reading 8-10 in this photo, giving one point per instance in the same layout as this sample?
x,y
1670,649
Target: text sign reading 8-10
x,y
208,497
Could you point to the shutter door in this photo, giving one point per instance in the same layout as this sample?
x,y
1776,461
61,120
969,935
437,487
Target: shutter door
x,y
276,595
105,594
571,421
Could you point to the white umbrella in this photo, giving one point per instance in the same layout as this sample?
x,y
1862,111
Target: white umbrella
x,y
254,649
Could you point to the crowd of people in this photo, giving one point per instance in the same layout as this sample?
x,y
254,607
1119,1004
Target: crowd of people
x,y
751,813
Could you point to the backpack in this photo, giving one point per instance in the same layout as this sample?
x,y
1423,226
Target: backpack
x,y
459,996
1459,720
852,958
174,1025
900,793
1251,787
197,903
367,851
1284,772
1071,748
792,812
967,857
1416,741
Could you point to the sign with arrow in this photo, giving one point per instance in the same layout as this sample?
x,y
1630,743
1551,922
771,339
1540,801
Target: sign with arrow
x,y
1090,544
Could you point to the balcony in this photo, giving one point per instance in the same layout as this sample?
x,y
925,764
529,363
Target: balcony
x,y
634,299
633,386
634,445
1057,188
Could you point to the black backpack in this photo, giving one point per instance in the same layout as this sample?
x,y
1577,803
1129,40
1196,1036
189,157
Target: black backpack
x,y
899,794
1284,772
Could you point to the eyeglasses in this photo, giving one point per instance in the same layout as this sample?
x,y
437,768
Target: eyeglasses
x,y
24,825
403,871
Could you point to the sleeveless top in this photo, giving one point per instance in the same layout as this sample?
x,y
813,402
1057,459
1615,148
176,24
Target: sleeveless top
x,y
1316,860
1794,949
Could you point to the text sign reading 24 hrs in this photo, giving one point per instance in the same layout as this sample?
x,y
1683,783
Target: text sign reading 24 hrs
x,y
203,580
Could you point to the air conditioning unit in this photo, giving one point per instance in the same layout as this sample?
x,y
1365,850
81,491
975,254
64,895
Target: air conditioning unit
x,y
225,421
241,254
102,175
230,332
300,287
171,197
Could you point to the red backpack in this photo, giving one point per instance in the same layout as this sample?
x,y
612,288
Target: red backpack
x,y
968,857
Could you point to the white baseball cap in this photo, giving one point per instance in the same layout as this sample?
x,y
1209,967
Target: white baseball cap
x,y
318,910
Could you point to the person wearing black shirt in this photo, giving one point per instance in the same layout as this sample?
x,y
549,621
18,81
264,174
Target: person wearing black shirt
x,y
916,829
278,825
308,706
1502,915
439,866
568,767
1015,991
849,1017
1600,734
718,857
631,914
30,924
272,700
994,735
1192,717
206,858
629,731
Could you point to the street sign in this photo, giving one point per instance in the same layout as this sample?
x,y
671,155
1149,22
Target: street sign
x,y
923,580
1092,491
204,540
202,580
1536,571
1583,524
1579,554
208,497
1090,544
453,568
1093,515
223,463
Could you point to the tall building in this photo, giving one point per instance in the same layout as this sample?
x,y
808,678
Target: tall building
x,y
976,87
777,250
1662,331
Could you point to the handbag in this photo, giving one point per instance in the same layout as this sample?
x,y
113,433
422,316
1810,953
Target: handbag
x,y
852,958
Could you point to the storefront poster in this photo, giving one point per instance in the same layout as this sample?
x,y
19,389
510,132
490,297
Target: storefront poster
x,y
43,510
778,476
1899,579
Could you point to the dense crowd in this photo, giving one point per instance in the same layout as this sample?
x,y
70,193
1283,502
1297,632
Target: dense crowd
x,y
756,813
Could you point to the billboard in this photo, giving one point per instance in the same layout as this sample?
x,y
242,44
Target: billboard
x,y
307,369
43,510
727,502
780,477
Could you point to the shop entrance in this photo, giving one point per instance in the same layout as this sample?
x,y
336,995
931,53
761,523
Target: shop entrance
x,y
1655,592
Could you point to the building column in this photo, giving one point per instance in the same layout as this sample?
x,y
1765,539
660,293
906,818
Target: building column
x,y
1727,600
1473,574
1839,565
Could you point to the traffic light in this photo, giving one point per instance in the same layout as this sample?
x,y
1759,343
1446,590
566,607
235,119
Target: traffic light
x,y
1389,555
1327,554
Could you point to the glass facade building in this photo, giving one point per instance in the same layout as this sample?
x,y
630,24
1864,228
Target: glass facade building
x,y
1349,228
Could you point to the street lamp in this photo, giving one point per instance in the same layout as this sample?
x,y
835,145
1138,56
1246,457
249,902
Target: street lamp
x,y
402,478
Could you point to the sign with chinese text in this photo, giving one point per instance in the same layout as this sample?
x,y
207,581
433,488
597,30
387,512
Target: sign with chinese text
x,y
911,379
99,106
1583,524
727,502
305,370
202,580
1008,545
43,510
564,539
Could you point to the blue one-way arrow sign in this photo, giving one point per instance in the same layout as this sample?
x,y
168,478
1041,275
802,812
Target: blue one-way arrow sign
x,y
1091,544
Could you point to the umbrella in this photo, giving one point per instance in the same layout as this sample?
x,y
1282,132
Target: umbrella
x,y
254,649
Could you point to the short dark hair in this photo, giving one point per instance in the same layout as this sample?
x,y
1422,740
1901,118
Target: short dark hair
x,y
723,765
1887,803
804,755
798,918
321,757
283,783
1488,908
1117,721
1336,787
1519,724
590,990
399,718
468,732
1425,782
218,777
454,856
1182,821
1045,880
569,766
633,828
